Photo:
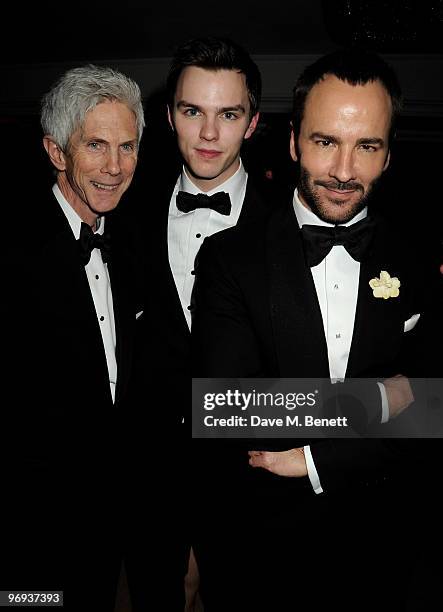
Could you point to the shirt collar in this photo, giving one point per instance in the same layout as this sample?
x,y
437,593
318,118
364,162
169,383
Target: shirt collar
x,y
307,217
235,186
73,218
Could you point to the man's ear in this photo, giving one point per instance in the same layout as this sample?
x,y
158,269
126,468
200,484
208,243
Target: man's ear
x,y
252,126
387,160
56,155
171,123
293,145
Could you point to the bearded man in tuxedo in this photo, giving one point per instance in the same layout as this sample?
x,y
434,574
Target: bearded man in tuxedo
x,y
295,296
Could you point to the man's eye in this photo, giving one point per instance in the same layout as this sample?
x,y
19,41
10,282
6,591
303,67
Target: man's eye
x,y
191,112
367,147
230,116
323,143
95,146
128,147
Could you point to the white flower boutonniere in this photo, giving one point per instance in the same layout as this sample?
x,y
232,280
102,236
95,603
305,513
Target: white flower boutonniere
x,y
385,286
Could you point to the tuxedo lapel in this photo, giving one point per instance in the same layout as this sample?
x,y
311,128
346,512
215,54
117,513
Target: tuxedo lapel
x,y
64,296
295,312
124,319
253,207
378,322
62,273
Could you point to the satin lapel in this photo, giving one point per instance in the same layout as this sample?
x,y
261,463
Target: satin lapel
x,y
62,271
378,322
296,317
63,287
253,207
123,283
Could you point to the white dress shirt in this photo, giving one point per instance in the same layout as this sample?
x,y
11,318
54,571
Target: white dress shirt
x,y
100,286
336,280
186,231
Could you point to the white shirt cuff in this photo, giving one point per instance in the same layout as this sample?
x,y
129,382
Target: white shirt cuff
x,y
384,403
312,471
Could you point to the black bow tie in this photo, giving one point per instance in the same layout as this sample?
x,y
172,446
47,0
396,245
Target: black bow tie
x,y
220,202
319,240
89,241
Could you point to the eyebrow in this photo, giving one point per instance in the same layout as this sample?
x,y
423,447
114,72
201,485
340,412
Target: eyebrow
x,y
223,109
373,141
324,137
334,139
131,141
237,107
95,139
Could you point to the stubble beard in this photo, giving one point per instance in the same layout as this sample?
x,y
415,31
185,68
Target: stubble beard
x,y
309,194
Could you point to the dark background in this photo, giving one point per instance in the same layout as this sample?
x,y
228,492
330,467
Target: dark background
x,y
86,30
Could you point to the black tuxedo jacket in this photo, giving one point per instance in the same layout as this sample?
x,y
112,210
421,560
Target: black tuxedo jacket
x,y
57,375
173,351
256,314
163,348
64,438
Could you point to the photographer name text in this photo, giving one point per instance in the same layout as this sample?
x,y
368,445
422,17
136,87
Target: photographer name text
x,y
289,421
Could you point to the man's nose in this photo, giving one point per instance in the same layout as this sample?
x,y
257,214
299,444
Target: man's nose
x,y
343,167
112,163
209,129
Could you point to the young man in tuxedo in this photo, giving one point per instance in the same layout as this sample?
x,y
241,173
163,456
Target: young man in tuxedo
x,y
71,307
291,297
213,94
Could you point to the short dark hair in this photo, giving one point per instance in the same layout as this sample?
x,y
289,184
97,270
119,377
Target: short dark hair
x,y
214,53
354,66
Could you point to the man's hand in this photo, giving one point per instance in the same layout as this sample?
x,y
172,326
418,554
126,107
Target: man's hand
x,y
286,463
399,393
